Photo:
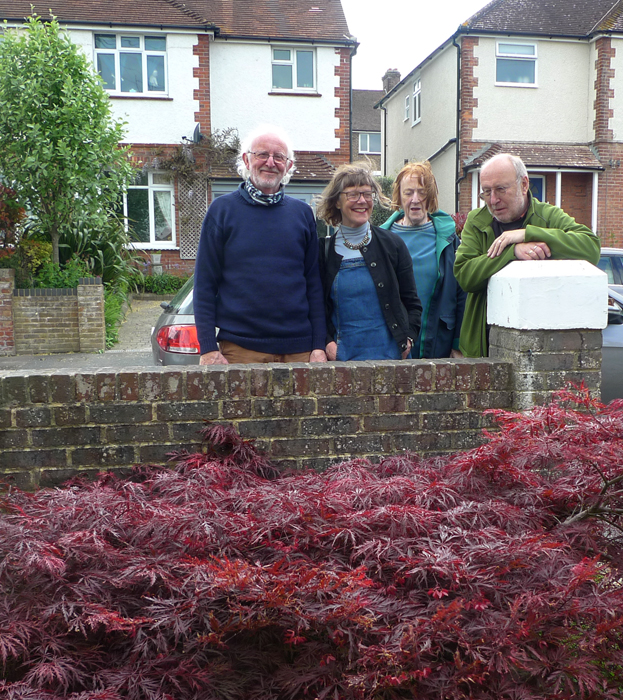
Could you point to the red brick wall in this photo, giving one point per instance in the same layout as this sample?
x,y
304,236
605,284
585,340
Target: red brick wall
x,y
202,94
576,196
7,337
468,122
342,91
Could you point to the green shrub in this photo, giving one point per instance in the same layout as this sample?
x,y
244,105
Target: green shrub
x,y
53,276
113,314
161,284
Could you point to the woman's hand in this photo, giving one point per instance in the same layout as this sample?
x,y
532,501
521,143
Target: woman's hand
x,y
331,351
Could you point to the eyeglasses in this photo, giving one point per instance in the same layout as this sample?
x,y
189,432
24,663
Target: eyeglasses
x,y
356,196
265,155
499,192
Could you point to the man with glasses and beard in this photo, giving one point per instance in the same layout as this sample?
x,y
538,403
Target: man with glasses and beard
x,y
256,274
512,225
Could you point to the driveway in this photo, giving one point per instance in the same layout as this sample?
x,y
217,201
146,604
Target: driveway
x,y
133,349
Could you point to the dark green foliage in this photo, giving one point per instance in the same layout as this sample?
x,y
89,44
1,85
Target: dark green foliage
x,y
53,276
161,284
380,214
495,574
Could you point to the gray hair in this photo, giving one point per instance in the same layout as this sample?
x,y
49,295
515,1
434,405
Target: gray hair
x,y
247,143
520,168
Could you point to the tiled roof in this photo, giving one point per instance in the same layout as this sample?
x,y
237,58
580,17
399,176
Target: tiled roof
x,y
309,167
166,13
540,155
550,17
320,20
365,117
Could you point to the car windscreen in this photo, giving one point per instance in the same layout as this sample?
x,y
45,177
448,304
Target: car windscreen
x,y
182,302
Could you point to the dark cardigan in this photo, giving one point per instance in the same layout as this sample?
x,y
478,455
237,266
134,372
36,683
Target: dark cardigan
x,y
389,263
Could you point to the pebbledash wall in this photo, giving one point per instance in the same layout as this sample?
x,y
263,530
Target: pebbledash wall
x,y
34,321
54,425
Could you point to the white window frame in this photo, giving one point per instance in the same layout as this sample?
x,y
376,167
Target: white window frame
x,y
514,56
364,138
407,105
130,50
153,187
417,102
292,62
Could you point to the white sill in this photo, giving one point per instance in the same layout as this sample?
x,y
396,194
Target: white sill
x,y
417,122
295,93
139,96
517,85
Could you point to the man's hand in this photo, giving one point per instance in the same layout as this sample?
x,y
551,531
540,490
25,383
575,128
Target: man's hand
x,y
213,358
317,356
331,351
405,354
456,354
532,251
506,239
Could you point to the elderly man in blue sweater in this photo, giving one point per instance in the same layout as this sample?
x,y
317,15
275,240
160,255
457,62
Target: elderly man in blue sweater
x,y
256,274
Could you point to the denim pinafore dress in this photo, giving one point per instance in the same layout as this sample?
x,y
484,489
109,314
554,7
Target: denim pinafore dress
x,y
361,331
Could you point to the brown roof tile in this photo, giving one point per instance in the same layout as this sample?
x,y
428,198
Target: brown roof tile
x,y
309,167
551,17
320,20
543,155
365,117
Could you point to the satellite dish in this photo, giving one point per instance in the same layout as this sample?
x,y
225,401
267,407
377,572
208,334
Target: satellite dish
x,y
197,135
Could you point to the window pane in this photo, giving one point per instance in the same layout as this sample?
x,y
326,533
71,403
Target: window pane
x,y
375,143
106,69
363,143
105,41
521,49
305,69
162,215
281,54
605,264
155,71
138,214
141,179
131,72
155,43
131,42
514,71
161,179
282,77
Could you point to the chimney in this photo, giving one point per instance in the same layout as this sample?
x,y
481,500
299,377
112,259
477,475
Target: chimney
x,y
390,79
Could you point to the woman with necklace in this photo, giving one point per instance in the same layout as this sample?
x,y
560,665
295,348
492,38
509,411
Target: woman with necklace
x,y
372,307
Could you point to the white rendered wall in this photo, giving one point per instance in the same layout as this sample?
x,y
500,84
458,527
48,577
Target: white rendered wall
x,y
240,83
444,167
438,124
548,294
553,111
153,119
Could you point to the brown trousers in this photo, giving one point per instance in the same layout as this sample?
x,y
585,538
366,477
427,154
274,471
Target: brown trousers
x,y
234,354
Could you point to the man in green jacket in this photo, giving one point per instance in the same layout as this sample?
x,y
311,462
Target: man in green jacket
x,y
512,226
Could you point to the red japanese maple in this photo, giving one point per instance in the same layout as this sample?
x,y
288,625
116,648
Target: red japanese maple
x,y
495,573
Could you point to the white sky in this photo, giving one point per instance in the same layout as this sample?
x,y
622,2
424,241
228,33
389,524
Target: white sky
x,y
400,33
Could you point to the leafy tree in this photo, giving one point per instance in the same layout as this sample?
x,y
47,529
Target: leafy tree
x,y
58,142
494,574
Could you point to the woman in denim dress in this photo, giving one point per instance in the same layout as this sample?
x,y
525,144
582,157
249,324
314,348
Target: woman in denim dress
x,y
372,307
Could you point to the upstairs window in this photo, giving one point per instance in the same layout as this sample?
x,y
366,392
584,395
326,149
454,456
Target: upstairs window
x,y
149,212
293,69
370,142
417,108
515,64
407,104
131,63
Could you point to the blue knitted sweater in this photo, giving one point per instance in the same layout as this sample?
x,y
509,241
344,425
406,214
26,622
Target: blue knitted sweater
x,y
256,276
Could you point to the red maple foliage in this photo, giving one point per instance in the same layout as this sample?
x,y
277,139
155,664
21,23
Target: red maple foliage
x,y
491,574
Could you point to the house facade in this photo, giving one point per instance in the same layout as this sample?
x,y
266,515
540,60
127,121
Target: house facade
x,y
542,79
366,127
180,73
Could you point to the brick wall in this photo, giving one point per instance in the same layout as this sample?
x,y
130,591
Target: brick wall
x,y
56,425
342,91
34,321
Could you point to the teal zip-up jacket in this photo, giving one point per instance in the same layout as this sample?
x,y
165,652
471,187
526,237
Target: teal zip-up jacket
x,y
441,321
544,223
